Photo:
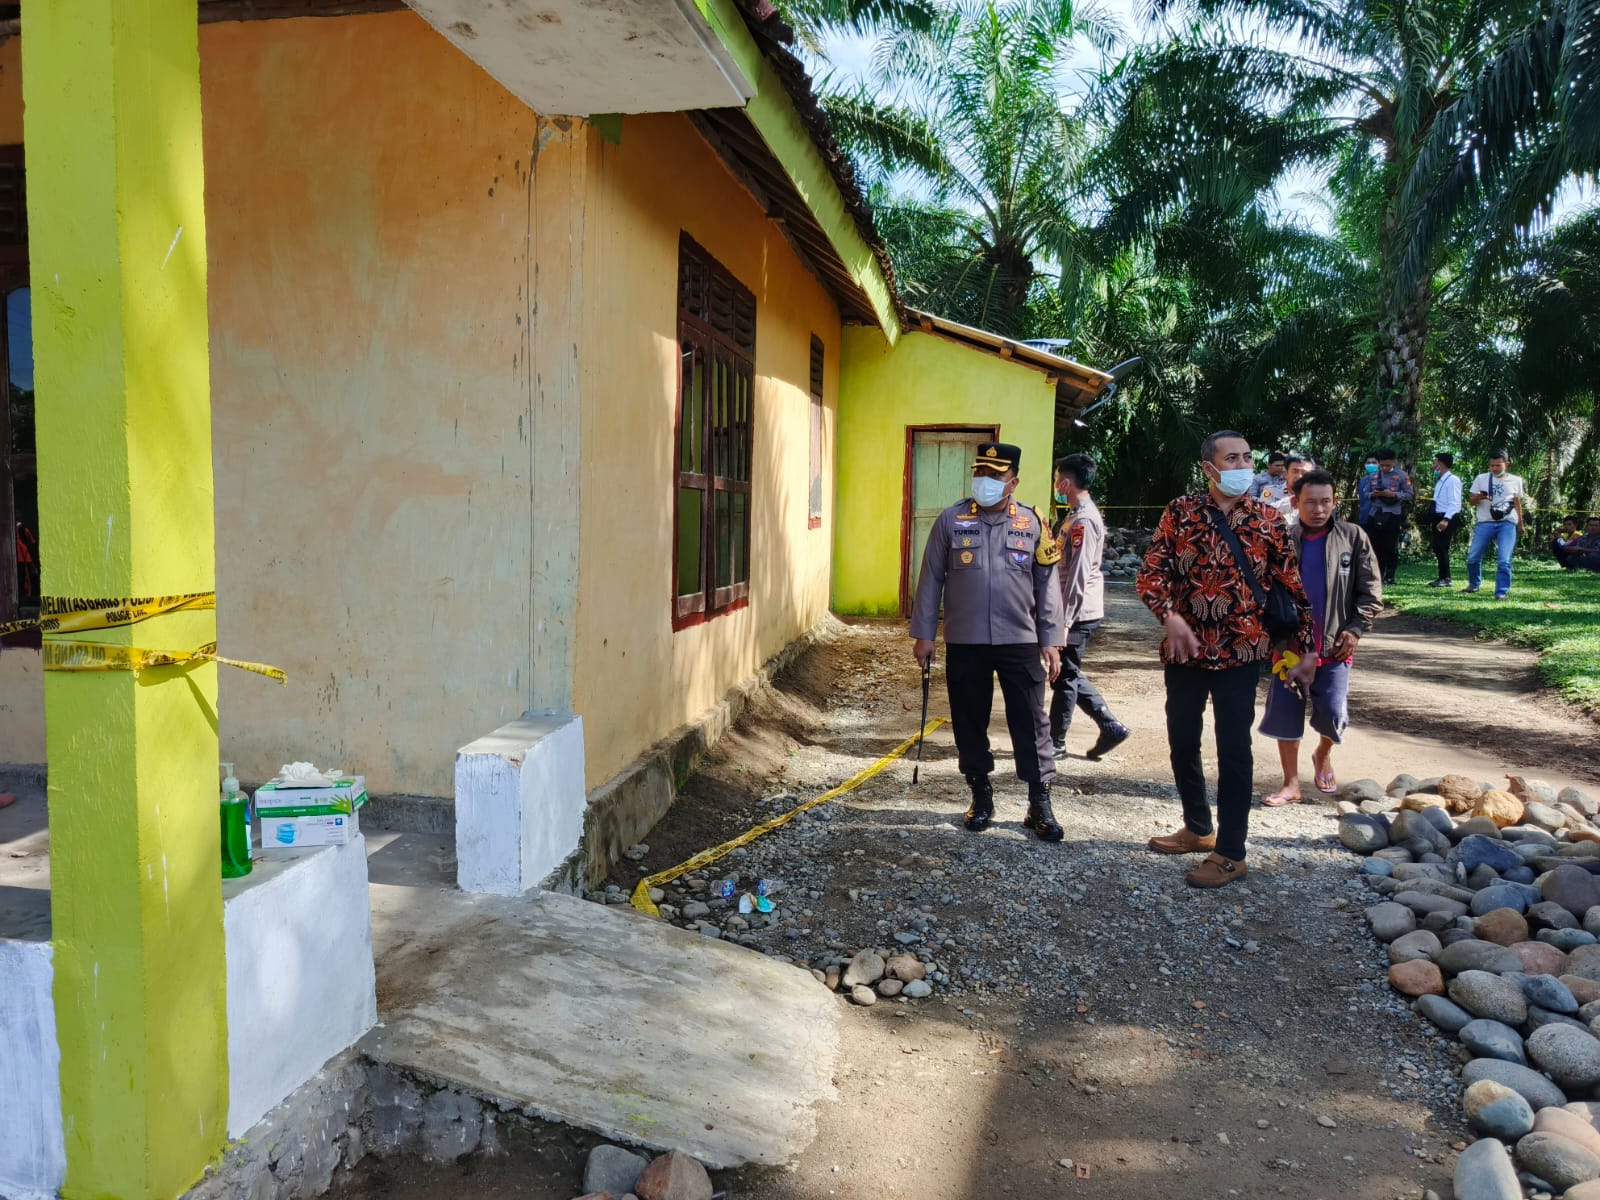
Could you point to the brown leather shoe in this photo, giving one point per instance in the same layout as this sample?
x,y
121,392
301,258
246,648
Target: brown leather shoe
x,y
1183,842
1216,872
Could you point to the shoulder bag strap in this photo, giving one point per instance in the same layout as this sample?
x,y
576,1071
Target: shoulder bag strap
x,y
1240,560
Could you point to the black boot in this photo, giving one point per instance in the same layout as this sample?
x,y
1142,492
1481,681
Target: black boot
x,y
1112,734
981,811
1040,819
1060,744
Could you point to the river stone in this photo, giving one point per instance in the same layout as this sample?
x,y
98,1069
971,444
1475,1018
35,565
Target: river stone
x,y
1389,920
1491,1039
1547,914
1476,955
1502,926
1565,1123
1484,1172
1583,990
1538,1018
1445,1014
1496,1110
1434,872
1426,903
1538,958
1362,789
1408,825
1570,1056
865,968
1502,808
613,1170
1580,800
1414,945
1547,992
1588,1110
1499,895
674,1176
1436,816
1566,940
1480,851
1393,854
1486,995
1418,977
1572,887
1591,920
1401,785
1561,1161
1584,962
1455,934
1545,816
1377,866
1525,1081
1362,833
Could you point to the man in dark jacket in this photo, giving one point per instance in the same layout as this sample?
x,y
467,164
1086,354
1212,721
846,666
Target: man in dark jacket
x,y
1345,586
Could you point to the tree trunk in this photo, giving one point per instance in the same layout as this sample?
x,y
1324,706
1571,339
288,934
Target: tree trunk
x,y
1399,348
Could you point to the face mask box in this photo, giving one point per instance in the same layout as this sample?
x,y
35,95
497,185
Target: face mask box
x,y
310,816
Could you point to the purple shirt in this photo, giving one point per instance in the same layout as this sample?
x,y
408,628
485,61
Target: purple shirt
x,y
1314,574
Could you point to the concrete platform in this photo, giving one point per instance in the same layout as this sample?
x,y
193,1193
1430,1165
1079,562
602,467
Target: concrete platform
x,y
603,1019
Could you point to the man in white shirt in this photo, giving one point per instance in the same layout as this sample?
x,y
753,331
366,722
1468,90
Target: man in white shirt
x,y
1446,514
1498,495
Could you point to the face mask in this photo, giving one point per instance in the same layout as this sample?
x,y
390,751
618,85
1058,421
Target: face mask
x,y
1372,468
988,491
1437,472
1061,499
1498,471
1235,483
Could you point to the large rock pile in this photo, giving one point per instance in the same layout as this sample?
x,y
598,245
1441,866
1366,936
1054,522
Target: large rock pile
x,y
1493,927
1125,550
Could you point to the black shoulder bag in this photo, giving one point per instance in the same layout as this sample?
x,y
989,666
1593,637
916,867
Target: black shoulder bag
x,y
1278,612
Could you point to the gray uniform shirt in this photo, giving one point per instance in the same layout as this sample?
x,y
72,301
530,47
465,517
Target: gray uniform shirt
x,y
984,566
1083,587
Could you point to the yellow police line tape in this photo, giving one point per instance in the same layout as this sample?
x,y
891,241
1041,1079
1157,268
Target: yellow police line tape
x,y
641,894
68,614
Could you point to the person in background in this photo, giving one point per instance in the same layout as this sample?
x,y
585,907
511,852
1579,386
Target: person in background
x,y
1369,470
1584,553
1298,465
1498,495
1391,488
1565,544
1446,517
1340,574
1216,641
1272,484
1082,537
990,568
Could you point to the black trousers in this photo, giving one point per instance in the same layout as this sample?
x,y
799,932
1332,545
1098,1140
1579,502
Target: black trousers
x,y
1072,688
1231,692
1384,529
970,672
1442,541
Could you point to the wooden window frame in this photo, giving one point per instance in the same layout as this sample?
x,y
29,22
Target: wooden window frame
x,y
716,331
818,408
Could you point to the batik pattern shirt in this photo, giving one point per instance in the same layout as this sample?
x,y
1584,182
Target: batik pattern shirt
x,y
1190,571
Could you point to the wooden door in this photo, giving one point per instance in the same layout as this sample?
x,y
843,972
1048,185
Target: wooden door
x,y
938,473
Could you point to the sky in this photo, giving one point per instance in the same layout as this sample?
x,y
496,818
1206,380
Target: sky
x,y
1300,197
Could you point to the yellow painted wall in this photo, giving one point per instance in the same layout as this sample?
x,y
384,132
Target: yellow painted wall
x,y
923,380
369,217
637,679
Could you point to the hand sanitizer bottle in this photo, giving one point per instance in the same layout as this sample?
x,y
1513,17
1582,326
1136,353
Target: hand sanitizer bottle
x,y
235,827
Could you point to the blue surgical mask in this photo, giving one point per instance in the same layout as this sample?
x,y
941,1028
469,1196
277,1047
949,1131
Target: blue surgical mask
x,y
987,490
1372,468
1235,483
1060,499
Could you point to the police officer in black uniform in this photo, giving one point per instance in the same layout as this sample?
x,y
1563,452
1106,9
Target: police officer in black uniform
x,y
992,562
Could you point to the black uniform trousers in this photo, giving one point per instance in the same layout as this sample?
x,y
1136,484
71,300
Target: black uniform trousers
x,y
970,672
1443,539
1072,688
1232,693
1385,529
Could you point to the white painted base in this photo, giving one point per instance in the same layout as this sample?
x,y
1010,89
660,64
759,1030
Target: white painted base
x,y
300,980
519,804
33,1156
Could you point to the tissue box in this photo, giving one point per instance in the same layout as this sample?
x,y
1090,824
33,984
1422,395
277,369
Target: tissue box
x,y
334,829
310,816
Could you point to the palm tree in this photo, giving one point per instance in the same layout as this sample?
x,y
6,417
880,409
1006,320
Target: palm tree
x,y
1209,123
813,20
985,151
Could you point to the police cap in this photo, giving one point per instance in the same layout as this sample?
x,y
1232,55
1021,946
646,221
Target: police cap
x,y
999,456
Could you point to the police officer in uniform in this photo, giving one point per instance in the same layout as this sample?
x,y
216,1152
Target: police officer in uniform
x,y
992,563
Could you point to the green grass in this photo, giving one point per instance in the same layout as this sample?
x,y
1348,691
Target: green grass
x,y
1552,611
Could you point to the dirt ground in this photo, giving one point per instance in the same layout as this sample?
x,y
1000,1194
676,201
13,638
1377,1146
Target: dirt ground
x,y
1106,1033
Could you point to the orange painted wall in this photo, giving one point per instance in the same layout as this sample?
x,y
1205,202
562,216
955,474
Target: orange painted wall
x,y
637,679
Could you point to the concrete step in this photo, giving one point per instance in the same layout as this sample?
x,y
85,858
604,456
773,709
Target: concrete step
x,y
603,1019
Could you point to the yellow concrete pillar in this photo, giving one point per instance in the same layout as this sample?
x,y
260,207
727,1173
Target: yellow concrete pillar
x,y
117,231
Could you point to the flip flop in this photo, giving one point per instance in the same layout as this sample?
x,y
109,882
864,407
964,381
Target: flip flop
x,y
1325,781
1278,799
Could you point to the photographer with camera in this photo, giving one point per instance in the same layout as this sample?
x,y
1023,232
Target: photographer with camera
x,y
1498,495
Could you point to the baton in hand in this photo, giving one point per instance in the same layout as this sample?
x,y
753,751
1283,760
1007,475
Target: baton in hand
x,y
921,729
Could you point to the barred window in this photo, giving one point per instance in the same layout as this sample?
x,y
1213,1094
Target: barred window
x,y
716,384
